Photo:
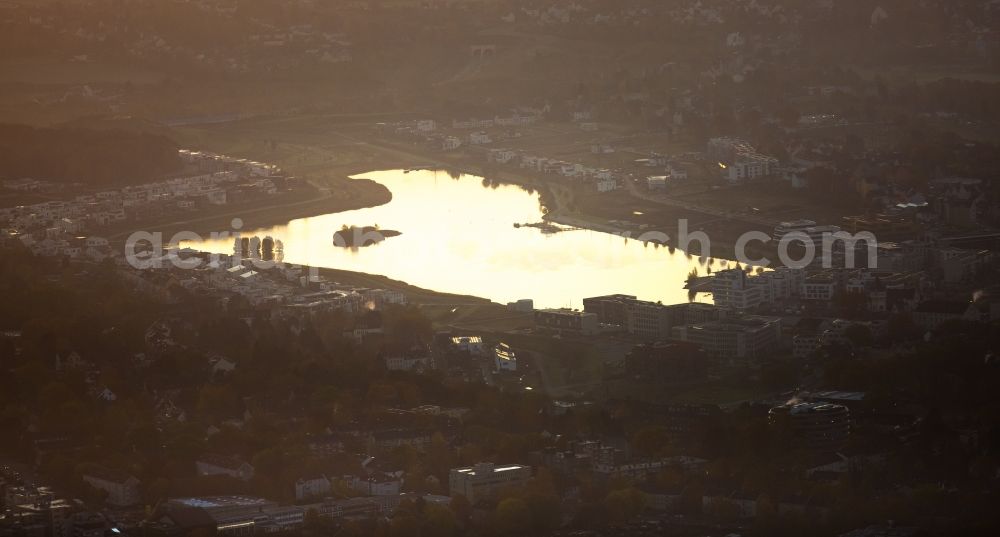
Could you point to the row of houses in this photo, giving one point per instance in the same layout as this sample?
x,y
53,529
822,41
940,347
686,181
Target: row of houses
x,y
222,178
63,245
605,180
290,291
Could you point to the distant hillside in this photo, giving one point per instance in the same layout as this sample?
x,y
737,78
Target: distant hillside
x,y
94,157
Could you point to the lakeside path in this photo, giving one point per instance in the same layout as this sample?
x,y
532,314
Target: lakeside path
x,y
334,150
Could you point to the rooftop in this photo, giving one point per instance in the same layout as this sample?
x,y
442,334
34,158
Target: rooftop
x,y
215,502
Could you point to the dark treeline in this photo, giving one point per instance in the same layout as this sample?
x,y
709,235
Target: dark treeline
x,y
96,157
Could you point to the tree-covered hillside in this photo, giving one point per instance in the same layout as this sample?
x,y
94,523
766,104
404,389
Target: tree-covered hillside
x,y
95,157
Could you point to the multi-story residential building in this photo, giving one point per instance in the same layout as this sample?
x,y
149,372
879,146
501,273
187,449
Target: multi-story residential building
x,y
739,161
501,156
803,345
377,484
817,425
567,321
611,310
122,488
668,362
211,464
390,439
747,338
748,166
469,344
784,228
656,182
648,320
312,487
932,313
818,287
734,289
484,480
450,143
898,257
480,138
417,358
639,470
504,358
960,265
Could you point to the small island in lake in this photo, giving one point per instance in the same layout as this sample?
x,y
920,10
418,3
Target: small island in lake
x,y
352,236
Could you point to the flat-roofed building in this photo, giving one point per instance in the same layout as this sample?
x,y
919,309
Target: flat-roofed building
x,y
734,289
470,344
227,515
648,320
212,464
746,338
816,425
484,480
667,362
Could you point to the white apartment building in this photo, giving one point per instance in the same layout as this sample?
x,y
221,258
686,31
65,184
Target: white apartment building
x,y
451,143
739,161
566,320
656,182
501,156
736,290
606,185
480,138
747,167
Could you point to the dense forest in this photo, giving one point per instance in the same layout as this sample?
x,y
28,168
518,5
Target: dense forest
x,y
94,157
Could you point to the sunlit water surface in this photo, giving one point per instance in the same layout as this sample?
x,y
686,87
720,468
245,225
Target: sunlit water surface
x,y
458,236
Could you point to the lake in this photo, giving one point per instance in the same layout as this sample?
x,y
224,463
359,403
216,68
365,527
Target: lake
x,y
458,236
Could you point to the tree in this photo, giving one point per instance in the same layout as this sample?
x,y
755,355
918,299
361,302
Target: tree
x,y
461,507
859,335
218,402
439,521
900,327
850,302
268,462
158,490
513,517
650,441
624,504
